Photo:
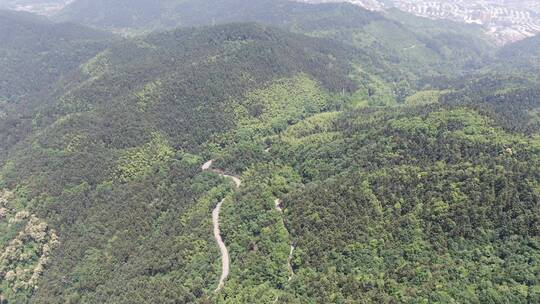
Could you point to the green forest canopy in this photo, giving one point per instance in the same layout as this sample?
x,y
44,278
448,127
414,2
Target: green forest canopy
x,y
415,186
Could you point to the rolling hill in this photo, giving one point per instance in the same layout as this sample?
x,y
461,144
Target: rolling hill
x,y
365,177
427,49
38,58
53,49
524,54
159,103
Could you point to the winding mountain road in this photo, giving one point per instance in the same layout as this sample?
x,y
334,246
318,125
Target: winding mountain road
x,y
225,260
224,251
277,203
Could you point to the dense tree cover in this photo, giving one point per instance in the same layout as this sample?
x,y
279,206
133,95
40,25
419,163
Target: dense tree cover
x,y
398,46
123,243
203,67
517,108
257,237
523,54
387,193
169,14
124,126
428,196
38,57
117,14
511,99
36,52
189,80
425,204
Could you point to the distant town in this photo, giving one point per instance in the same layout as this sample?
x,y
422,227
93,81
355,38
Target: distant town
x,y
504,20
43,7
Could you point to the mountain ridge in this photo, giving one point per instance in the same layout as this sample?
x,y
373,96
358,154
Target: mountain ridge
x,y
381,162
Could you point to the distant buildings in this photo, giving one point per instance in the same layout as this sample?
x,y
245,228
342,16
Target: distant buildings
x,y
504,20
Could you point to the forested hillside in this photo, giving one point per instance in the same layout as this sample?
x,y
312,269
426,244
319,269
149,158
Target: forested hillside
x,y
524,54
134,122
435,203
36,52
38,58
391,204
167,14
397,50
382,158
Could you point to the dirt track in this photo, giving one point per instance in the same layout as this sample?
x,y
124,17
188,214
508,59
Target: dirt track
x,y
225,260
